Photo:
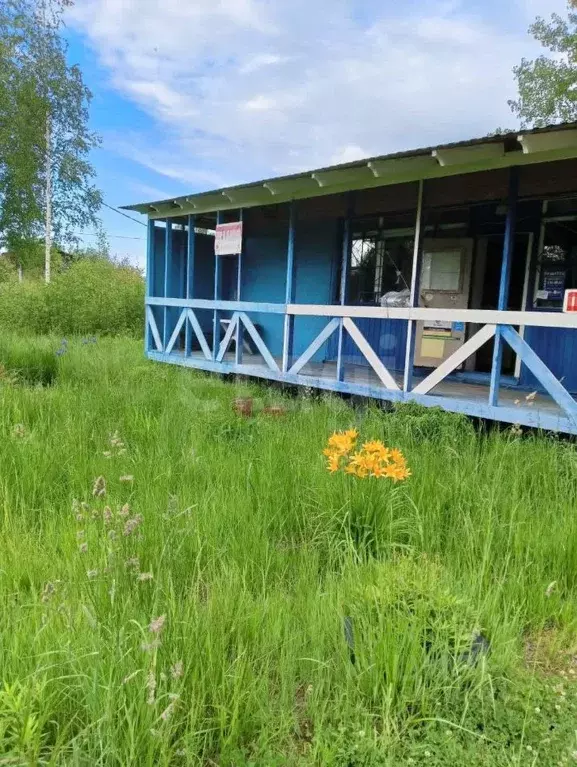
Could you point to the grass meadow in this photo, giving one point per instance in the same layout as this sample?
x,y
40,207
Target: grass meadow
x,y
183,585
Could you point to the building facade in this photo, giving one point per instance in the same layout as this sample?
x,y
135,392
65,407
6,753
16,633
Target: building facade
x,y
437,276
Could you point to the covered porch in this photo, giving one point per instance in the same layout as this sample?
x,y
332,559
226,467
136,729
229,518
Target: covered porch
x,y
445,290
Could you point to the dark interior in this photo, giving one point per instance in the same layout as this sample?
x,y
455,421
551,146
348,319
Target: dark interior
x,y
491,296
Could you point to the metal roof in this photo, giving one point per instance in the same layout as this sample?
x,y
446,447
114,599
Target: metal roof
x,y
552,142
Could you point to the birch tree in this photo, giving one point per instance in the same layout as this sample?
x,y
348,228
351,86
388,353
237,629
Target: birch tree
x,y
46,177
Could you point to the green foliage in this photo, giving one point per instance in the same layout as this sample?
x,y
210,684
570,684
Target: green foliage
x,y
23,307
20,733
95,296
547,85
92,297
28,256
131,490
44,137
421,422
8,271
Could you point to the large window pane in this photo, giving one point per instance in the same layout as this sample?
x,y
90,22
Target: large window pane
x,y
557,263
381,258
442,270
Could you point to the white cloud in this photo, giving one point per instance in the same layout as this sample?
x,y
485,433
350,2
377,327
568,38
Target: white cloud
x,y
240,89
260,103
260,61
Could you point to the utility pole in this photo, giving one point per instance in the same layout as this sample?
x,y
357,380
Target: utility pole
x,y
44,73
48,220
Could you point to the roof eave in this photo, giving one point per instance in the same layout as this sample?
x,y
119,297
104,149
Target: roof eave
x,y
540,145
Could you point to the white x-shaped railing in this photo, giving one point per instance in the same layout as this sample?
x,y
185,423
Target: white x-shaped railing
x,y
496,324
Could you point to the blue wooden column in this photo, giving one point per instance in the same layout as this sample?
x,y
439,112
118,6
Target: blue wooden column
x,y
415,290
508,246
289,320
190,254
149,276
167,280
239,328
217,286
343,287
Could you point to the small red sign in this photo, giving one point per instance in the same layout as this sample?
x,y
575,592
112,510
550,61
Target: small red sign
x,y
570,303
228,239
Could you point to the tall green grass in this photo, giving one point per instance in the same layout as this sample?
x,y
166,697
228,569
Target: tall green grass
x,y
231,531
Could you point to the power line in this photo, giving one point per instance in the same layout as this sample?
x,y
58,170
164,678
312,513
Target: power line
x,y
116,236
136,221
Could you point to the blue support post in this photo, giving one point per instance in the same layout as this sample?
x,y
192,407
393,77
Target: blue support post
x,y
508,246
190,254
149,276
167,268
217,283
289,320
239,340
345,268
415,291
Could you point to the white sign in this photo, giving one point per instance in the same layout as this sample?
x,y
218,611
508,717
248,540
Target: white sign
x,y
228,239
438,324
570,303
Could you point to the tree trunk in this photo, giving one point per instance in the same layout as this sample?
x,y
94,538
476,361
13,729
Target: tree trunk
x,y
48,223
20,272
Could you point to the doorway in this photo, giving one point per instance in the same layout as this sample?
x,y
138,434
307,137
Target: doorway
x,y
485,292
445,281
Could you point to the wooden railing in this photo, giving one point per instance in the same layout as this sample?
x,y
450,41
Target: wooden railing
x,y
341,320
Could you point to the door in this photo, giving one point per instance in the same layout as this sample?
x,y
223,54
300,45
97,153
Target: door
x,y
445,281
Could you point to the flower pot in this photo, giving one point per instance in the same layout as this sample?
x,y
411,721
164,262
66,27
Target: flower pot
x,y
243,406
274,410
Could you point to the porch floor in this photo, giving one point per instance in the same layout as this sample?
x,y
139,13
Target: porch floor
x,y
362,375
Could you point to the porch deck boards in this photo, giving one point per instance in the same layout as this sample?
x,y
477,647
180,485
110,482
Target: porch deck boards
x,y
365,376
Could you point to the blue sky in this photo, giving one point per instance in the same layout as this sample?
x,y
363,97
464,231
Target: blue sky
x,y
195,94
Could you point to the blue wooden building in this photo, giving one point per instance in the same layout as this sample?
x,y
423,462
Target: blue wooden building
x,y
436,275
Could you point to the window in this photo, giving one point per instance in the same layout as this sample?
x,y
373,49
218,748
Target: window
x,y
381,262
562,206
363,270
557,263
442,270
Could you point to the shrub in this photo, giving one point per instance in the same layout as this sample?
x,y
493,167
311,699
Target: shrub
x,y
92,297
97,296
432,423
23,308
7,270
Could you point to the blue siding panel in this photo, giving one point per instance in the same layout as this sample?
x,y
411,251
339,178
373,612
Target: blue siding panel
x,y
317,250
263,278
157,282
157,276
176,279
557,347
204,278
